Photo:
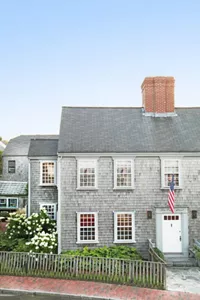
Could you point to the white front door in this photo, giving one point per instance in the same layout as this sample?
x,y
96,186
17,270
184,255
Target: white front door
x,y
171,233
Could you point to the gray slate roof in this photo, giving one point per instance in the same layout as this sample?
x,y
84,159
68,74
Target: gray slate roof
x,y
13,188
41,147
128,130
20,144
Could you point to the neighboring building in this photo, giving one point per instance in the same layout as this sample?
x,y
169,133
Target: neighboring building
x,y
14,179
43,176
2,146
106,177
13,195
15,157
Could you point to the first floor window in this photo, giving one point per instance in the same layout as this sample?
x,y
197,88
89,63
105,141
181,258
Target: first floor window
x,y
48,172
87,228
11,166
8,203
171,167
87,174
123,173
124,227
51,210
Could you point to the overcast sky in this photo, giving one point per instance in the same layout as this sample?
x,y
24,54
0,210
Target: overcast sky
x,y
56,53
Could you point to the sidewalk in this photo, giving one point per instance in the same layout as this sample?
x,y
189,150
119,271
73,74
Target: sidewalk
x,y
87,289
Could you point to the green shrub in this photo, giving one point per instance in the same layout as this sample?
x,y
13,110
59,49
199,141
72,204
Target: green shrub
x,y
159,253
197,252
4,214
5,243
123,252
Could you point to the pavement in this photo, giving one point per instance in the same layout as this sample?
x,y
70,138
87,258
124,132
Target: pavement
x,y
184,279
72,289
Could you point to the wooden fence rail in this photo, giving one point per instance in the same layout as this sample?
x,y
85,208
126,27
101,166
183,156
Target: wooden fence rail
x,y
138,273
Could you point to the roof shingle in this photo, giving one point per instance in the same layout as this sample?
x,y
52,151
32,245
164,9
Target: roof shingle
x,y
127,130
20,144
13,188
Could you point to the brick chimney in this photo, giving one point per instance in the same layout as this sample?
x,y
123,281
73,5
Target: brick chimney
x,y
158,95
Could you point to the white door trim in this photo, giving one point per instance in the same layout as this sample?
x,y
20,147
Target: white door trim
x,y
183,211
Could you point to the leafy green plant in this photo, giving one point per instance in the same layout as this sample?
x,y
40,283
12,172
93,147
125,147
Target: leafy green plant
x,y
4,214
5,243
123,252
197,252
159,253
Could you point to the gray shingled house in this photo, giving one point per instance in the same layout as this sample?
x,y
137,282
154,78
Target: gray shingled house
x,y
106,178
112,170
14,179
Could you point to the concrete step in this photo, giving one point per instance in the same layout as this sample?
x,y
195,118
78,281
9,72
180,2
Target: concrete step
x,y
181,262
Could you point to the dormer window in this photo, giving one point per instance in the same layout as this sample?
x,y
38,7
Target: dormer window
x,y
48,173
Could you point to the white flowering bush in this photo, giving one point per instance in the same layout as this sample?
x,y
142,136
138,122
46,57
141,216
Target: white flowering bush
x,y
43,243
36,233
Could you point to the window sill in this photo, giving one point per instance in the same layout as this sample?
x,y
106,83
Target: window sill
x,y
124,242
167,188
87,242
45,184
87,189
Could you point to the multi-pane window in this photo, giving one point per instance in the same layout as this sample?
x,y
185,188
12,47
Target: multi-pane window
x,y
87,174
124,227
48,172
51,210
123,174
87,227
8,203
11,166
170,168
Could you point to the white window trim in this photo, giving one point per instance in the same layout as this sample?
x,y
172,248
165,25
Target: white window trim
x,y
116,241
53,204
79,241
163,159
116,160
55,172
7,201
79,162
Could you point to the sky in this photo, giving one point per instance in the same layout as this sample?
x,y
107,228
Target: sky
x,y
56,53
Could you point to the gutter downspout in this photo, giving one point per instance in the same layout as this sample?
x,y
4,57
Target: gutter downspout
x,y
29,188
59,207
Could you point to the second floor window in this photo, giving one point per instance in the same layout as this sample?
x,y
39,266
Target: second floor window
x,y
170,167
48,173
87,174
123,174
11,166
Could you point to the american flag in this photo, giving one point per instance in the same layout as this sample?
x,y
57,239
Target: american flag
x,y
171,196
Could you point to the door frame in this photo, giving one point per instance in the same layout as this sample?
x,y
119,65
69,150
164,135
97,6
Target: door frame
x,y
184,228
